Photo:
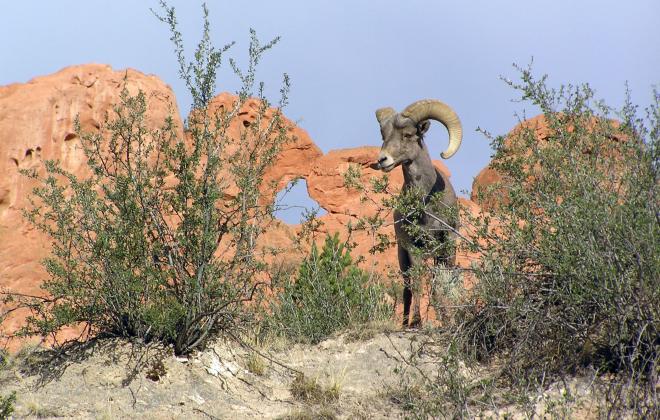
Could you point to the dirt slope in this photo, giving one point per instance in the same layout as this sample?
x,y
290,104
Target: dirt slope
x,y
101,382
212,384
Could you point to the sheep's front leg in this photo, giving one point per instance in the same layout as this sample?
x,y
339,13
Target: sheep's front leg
x,y
411,288
416,320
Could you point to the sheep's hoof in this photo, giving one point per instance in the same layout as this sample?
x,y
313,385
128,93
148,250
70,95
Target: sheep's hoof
x,y
415,323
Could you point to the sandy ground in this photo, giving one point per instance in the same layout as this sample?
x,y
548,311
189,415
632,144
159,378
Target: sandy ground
x,y
96,382
113,379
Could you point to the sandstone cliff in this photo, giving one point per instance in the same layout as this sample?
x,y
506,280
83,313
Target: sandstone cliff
x,y
37,123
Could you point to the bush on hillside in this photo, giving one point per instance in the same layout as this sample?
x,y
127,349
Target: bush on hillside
x,y
568,279
134,244
329,293
571,264
7,405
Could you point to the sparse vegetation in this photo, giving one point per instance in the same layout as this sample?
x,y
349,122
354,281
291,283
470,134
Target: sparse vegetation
x,y
156,370
317,397
148,245
151,245
328,294
369,330
39,411
255,364
7,405
311,413
568,281
313,391
434,381
4,359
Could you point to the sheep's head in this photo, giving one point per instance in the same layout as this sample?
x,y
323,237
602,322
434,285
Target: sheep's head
x,y
403,132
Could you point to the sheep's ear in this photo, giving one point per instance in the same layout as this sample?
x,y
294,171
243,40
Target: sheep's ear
x,y
423,126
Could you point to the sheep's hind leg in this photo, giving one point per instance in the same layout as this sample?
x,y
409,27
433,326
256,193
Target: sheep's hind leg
x,y
443,273
416,303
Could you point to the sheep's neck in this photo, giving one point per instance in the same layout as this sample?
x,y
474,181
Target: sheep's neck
x,y
420,173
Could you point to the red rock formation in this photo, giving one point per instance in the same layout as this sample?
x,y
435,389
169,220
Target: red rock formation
x,y
36,119
542,132
36,123
296,156
326,183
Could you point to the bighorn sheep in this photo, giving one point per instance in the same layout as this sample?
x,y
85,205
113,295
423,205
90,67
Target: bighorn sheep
x,y
403,144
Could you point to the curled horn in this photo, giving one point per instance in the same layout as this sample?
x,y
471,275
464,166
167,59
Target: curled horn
x,y
383,114
441,112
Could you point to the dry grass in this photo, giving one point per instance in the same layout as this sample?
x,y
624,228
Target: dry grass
x,y
156,371
255,364
405,394
311,413
369,330
39,411
312,391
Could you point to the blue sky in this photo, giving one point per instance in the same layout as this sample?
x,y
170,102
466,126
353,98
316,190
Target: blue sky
x,y
348,58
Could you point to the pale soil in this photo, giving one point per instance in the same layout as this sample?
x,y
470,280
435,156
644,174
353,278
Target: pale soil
x,y
212,384
102,382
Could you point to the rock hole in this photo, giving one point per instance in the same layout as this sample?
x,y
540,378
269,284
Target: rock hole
x,y
14,160
71,151
293,203
29,153
246,123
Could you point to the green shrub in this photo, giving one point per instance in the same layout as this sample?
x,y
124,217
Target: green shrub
x,y
570,273
134,243
446,391
7,405
568,279
328,294
4,359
